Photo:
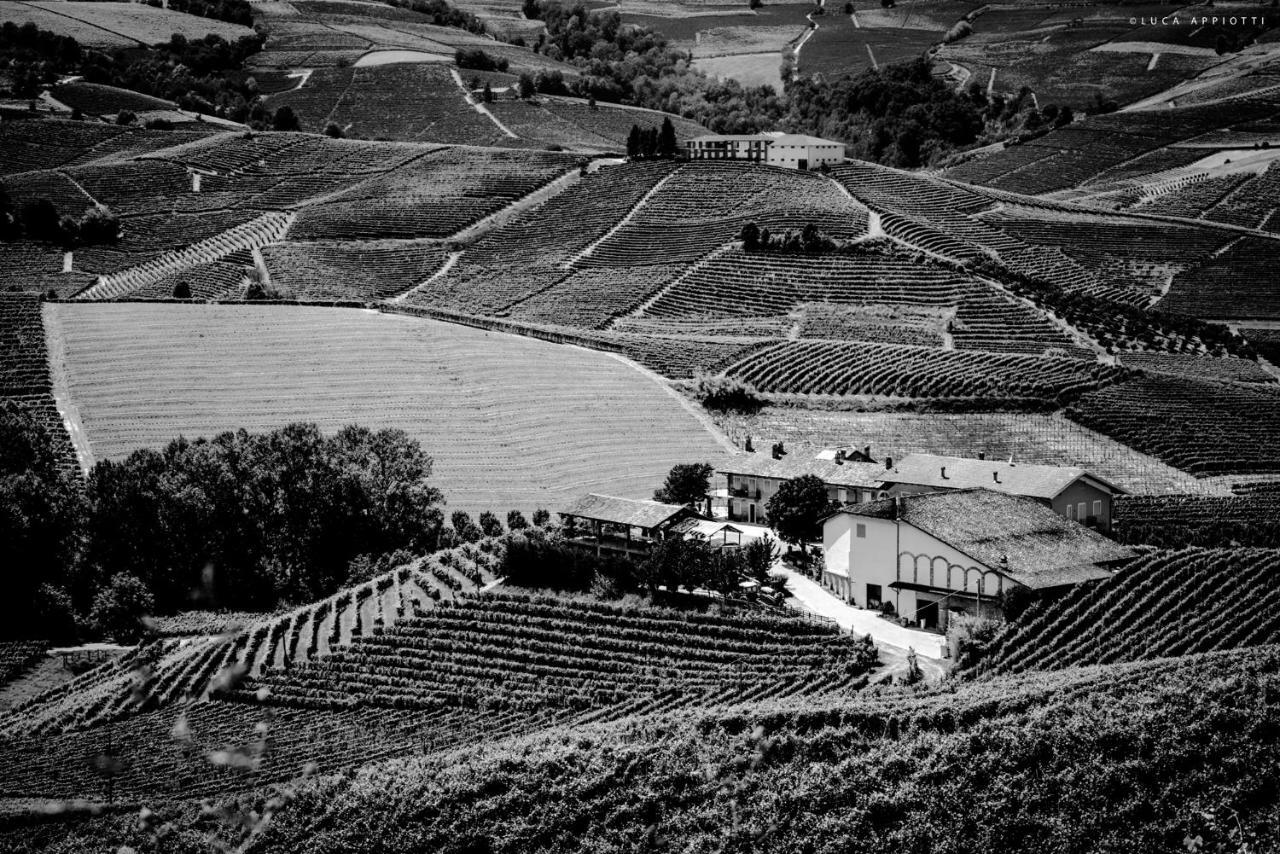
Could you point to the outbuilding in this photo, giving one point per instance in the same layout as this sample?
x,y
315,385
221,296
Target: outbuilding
x,y
1071,492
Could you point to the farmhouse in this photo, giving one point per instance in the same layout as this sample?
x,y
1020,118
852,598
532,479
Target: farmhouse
x,y
625,526
754,478
790,150
1072,492
933,555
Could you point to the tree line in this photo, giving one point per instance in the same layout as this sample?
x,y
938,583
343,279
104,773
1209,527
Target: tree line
x,y
39,220
204,75
241,521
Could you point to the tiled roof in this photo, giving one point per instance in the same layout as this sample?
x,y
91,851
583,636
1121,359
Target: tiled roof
x,y
639,512
1039,481
783,138
865,475
1042,548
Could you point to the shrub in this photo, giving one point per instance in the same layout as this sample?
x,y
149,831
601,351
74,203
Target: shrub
x,y
727,394
477,58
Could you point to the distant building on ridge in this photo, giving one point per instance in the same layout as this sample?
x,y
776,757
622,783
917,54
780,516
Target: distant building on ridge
x,y
789,150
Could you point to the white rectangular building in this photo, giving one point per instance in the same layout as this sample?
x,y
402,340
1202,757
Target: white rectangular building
x,y
788,150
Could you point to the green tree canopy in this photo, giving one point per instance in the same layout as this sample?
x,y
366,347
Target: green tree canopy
x,y
119,609
686,483
248,520
41,518
796,508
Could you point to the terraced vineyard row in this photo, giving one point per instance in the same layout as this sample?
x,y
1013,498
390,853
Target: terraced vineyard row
x,y
530,254
436,195
464,669
513,652
26,146
16,657
762,283
351,271
1165,604
1239,283
827,368
1199,426
1175,521
166,672
704,204
1199,367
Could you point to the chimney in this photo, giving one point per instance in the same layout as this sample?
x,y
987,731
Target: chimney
x,y
68,261
866,452
995,475
944,472
888,463
839,460
195,182
777,452
982,455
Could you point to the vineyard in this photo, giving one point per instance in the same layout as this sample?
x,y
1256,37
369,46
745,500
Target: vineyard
x,y
510,422
51,144
409,102
446,670
17,657
167,672
24,371
96,99
1114,752
350,271
1164,604
1111,147
1238,283
1202,427
1177,521
99,25
436,195
825,368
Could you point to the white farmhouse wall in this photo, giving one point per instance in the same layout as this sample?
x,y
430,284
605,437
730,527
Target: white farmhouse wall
x,y
890,552
853,562
924,559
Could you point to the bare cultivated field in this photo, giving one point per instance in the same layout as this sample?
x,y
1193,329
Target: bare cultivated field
x,y
112,24
1030,438
511,422
726,41
749,69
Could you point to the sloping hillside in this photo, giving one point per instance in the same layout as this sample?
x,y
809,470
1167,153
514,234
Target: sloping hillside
x,y
1133,758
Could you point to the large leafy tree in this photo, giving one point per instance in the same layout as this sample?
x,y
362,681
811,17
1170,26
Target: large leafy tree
x,y
797,507
249,520
686,483
41,511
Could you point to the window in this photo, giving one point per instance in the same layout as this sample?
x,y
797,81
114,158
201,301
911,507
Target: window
x,y
861,531
1071,511
1097,508
873,595
1081,512
842,495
